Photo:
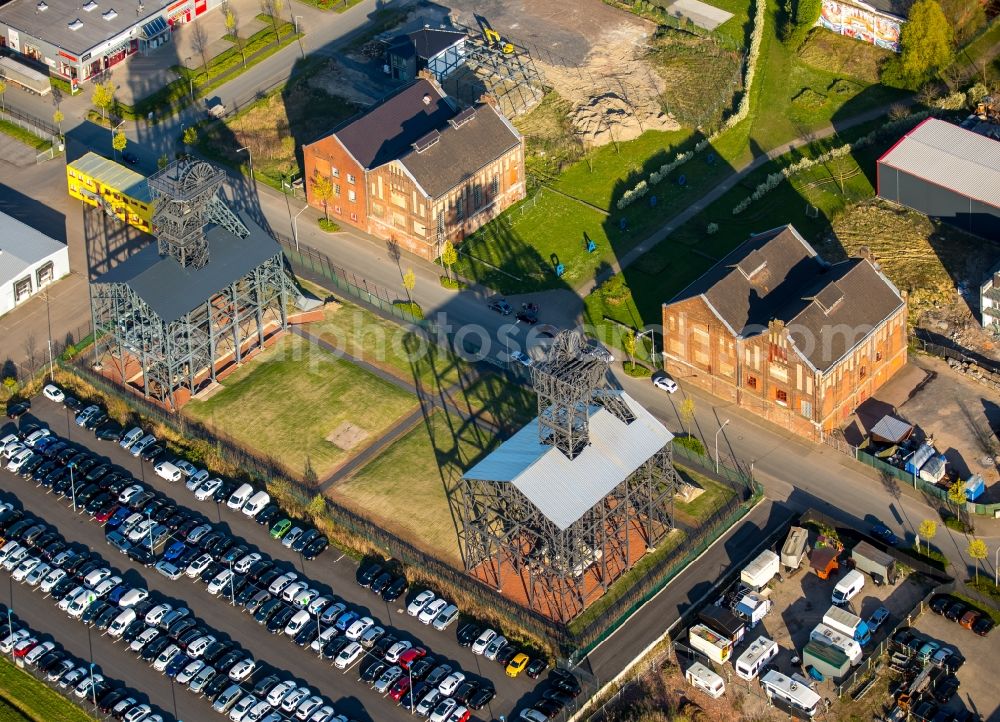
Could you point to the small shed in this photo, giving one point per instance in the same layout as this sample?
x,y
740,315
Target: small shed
x,y
933,469
823,561
826,659
974,487
890,430
919,457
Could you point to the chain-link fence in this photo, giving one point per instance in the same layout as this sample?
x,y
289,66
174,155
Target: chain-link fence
x,y
30,123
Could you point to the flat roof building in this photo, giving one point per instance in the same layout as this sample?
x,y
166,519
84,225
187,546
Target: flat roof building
x,y
123,193
29,261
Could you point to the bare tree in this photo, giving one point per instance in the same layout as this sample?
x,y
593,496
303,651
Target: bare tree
x,y
272,8
232,21
200,43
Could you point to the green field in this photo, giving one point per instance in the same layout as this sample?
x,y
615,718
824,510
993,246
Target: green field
x,y
24,699
284,404
702,507
406,487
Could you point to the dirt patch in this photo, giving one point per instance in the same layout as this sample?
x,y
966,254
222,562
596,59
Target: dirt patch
x,y
347,436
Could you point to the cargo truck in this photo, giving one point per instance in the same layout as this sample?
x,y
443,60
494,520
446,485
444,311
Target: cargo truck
x,y
714,646
850,624
878,565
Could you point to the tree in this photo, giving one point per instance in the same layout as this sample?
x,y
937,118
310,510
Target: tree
x,y
272,8
449,256
409,282
119,141
628,343
926,43
687,413
956,495
162,162
317,507
190,136
977,551
232,22
200,42
322,189
806,14
103,97
927,531
58,118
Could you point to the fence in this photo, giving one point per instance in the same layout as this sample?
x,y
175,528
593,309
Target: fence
x,y
931,343
31,124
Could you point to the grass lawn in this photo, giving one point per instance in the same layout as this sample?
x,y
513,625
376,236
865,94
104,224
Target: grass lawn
x,y
28,138
714,496
406,487
285,402
840,54
22,697
550,141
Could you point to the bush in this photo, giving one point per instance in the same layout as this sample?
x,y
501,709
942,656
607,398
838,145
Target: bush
x,y
956,524
410,307
329,226
615,291
691,443
453,284
636,370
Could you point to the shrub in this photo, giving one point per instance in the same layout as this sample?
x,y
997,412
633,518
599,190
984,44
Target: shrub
x,y
635,370
712,229
328,225
691,443
615,291
410,307
453,284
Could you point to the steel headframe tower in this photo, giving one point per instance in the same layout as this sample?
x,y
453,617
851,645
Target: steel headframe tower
x,y
186,197
506,540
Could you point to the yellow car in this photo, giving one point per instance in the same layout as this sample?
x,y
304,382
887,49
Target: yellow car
x,y
517,664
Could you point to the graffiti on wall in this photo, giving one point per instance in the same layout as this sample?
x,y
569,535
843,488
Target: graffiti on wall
x,y
861,24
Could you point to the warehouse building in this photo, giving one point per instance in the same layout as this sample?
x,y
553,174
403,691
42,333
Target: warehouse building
x,y
29,261
945,172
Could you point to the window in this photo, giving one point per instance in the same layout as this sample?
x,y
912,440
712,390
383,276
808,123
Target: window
x,y
459,212
350,178
878,356
22,289
352,196
335,172
779,372
440,224
354,216
495,185
336,209
477,195
336,190
807,408
751,382
862,372
781,397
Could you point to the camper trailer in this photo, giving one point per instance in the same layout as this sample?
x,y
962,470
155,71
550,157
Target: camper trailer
x,y
752,661
701,677
792,692
753,607
850,624
761,570
828,635
794,548
714,646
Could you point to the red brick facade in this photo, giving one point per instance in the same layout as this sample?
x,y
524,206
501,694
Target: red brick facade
x,y
327,157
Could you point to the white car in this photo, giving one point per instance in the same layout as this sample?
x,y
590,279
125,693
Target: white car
x,y
35,436
129,491
297,622
304,597
242,669
138,714
198,646
278,693
199,565
359,627
348,655
664,382
443,711
133,597
244,564
483,641
396,650
186,467
104,587
38,650
428,613
292,700
14,557
81,601
307,707
522,358
257,711
451,683
54,393
118,626
18,460
189,671
142,444
221,580
97,576
289,592
165,657
324,714
325,636
207,489
241,708
12,639
494,647
91,680
166,470
428,702
532,715
196,479
279,584
420,601
155,615
141,530
24,568
318,604
144,638
51,579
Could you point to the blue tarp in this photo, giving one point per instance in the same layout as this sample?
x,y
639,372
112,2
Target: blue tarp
x,y
919,458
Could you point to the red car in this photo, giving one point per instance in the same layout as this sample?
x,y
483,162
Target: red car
x,y
102,516
410,656
24,646
400,688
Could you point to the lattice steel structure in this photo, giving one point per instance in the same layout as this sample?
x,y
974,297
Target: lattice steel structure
x,y
167,319
544,517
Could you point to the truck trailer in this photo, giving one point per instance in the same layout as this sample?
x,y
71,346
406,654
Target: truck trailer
x,y
794,548
878,564
850,624
761,570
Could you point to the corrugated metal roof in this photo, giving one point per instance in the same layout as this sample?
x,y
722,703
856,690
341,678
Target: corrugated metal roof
x,y
114,175
563,490
950,156
21,246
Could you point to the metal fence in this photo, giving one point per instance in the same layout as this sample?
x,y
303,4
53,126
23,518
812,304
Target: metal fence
x,y
30,123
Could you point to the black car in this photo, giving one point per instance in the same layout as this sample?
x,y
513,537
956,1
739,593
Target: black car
x,y
280,620
110,699
152,650
941,603
133,630
73,404
983,625
332,648
380,647
465,691
422,667
526,315
17,409
307,634
267,610
94,610
373,671
548,707
268,576
258,568
216,686
96,420
108,431
228,661
468,633
235,553
265,685
224,491
955,611
216,650
316,547
396,589
367,574
246,593
565,681
507,653
152,453
482,697
382,581
130,158
141,555
946,688
501,306
304,540
268,514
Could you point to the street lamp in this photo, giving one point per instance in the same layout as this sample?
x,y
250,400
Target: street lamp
x,y
319,635
995,574
149,523
295,229
717,444
232,590
250,156
72,484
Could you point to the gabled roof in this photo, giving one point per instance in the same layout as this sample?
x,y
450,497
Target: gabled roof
x,y
778,276
171,290
388,129
21,246
474,138
952,157
563,489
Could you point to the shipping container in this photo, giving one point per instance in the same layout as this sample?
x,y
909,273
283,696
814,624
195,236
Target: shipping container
x,y
714,646
874,562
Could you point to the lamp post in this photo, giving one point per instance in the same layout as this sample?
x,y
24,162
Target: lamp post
x,y
72,485
295,228
149,523
995,574
319,635
717,444
232,590
250,156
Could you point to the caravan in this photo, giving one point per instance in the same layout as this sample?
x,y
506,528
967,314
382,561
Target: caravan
x,y
792,692
714,646
827,635
750,663
701,677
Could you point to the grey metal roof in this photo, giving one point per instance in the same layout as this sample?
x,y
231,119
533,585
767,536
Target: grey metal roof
x,y
21,246
429,42
172,290
106,20
952,157
891,429
461,149
563,489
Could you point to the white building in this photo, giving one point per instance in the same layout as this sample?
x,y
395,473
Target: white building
x,y
29,261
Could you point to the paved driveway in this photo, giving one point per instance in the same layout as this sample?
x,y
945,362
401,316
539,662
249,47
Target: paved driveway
x,y
15,152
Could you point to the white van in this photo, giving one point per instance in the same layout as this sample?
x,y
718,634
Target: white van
x,y
240,497
117,627
166,470
445,618
256,502
701,677
130,437
848,587
296,623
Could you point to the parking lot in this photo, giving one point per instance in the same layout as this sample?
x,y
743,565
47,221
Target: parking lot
x,y
331,571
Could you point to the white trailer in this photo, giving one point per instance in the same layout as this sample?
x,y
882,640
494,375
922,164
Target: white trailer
x,y
761,570
701,677
753,659
753,607
714,646
790,691
794,548
850,624
828,635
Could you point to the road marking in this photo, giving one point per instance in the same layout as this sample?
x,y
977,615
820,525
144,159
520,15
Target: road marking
x,y
339,558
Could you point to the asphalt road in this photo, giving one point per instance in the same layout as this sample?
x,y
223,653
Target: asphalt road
x,y
331,571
